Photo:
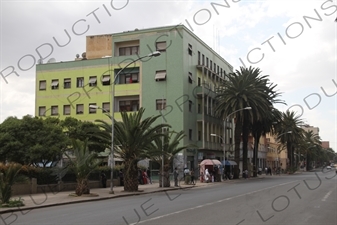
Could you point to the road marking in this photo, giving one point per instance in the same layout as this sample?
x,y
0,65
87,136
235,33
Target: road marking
x,y
211,203
326,196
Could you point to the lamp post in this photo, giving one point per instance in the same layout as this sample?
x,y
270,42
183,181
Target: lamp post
x,y
153,54
224,131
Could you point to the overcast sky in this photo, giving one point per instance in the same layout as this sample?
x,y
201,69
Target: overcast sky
x,y
292,41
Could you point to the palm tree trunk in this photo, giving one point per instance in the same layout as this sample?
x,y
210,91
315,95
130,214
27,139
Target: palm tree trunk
x,y
238,129
131,176
82,187
289,155
255,153
167,182
245,133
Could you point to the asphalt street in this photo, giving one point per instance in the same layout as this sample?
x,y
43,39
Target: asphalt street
x,y
308,198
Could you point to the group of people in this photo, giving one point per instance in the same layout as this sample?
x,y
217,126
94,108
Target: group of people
x,y
144,176
186,172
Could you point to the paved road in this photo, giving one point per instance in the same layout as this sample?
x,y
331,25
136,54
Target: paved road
x,y
308,198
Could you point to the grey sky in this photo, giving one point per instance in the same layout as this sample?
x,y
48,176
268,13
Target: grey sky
x,y
300,67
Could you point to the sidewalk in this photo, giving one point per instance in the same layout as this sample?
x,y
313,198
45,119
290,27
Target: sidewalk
x,y
49,199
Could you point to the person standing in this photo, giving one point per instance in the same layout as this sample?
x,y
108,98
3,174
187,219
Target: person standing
x,y
175,175
148,172
121,177
192,177
103,178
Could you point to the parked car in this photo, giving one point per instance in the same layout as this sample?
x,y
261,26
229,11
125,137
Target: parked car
x,y
328,167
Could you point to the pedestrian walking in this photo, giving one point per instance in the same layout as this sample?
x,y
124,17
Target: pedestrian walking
x,y
175,175
140,177
148,172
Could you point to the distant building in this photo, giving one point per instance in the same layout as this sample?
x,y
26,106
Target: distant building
x,y
325,144
306,127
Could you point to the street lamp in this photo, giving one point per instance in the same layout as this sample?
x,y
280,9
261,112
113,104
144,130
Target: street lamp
x,y
224,131
153,54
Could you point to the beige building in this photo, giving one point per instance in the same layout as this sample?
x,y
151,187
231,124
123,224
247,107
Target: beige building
x,y
325,144
306,127
276,156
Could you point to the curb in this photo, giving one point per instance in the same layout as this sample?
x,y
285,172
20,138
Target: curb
x,y
23,208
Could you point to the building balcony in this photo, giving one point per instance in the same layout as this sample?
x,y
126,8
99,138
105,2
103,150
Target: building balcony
x,y
207,92
208,118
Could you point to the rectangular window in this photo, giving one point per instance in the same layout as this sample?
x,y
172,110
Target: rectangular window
x,y
66,110
190,78
106,107
161,46
221,73
199,81
211,64
199,59
217,71
199,108
42,111
160,104
54,110
160,75
190,49
129,106
190,134
67,83
42,85
55,84
93,81
92,108
203,59
199,135
128,78
131,50
79,108
106,80
190,104
80,82
206,61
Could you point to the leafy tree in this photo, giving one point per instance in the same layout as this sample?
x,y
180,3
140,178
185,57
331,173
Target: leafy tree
x,y
166,146
31,140
134,137
9,175
84,130
245,88
83,163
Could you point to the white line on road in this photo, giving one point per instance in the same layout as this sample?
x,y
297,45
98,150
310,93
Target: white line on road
x,y
211,203
326,196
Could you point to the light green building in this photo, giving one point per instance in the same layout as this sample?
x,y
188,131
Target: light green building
x,y
179,84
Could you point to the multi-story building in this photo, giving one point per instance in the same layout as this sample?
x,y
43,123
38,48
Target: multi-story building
x,y
307,128
179,85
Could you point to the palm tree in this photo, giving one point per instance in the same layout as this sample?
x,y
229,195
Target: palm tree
x,y
167,146
312,146
133,138
245,88
290,122
262,127
82,162
8,177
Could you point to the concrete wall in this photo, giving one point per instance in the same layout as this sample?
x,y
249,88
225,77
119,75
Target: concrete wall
x,y
32,187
